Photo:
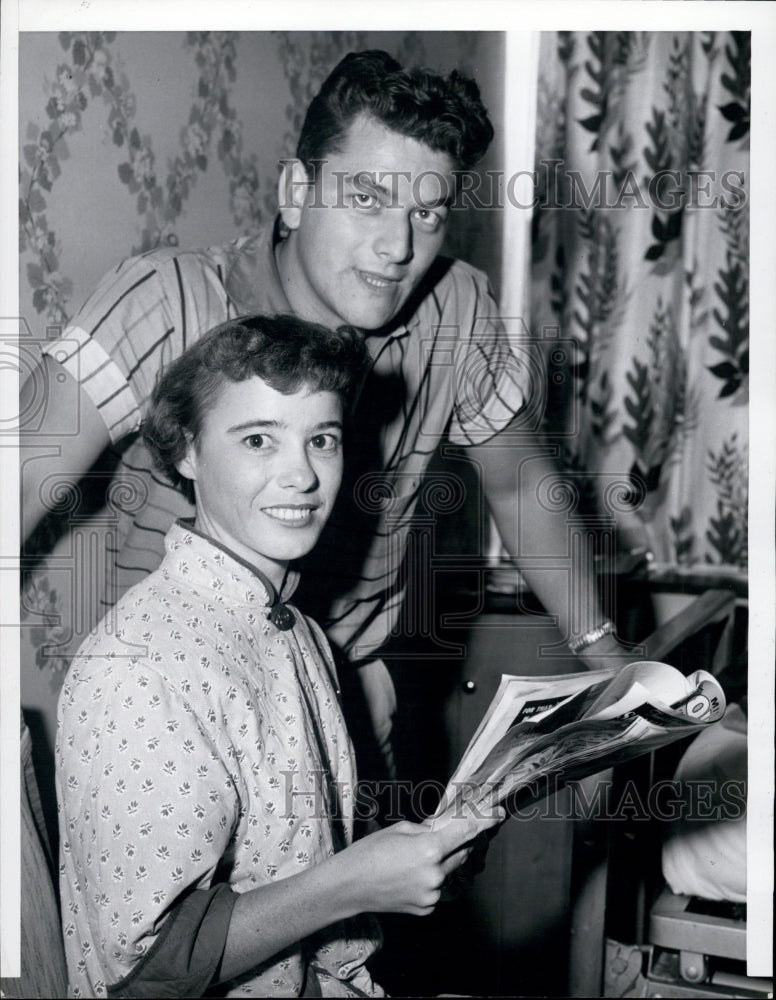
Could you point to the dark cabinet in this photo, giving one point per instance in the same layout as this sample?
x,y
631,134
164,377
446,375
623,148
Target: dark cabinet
x,y
507,933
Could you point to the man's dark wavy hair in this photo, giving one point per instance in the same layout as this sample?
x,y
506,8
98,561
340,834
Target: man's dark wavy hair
x,y
285,352
445,113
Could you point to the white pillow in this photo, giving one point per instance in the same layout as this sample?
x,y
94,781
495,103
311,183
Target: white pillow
x,y
705,852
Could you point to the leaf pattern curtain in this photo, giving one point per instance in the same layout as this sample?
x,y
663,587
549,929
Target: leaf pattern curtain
x,y
640,280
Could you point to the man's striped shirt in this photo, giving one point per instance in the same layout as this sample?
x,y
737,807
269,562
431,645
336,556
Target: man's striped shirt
x,y
447,368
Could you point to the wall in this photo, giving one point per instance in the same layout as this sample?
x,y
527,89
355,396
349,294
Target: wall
x,y
132,140
129,140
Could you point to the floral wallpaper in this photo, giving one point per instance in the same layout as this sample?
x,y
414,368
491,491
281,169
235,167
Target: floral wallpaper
x,y
641,262
129,141
639,291
91,79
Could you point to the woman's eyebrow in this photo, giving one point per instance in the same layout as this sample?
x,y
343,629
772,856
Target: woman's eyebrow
x,y
248,424
252,424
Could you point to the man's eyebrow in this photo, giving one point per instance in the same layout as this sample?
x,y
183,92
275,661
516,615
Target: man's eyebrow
x,y
440,202
364,181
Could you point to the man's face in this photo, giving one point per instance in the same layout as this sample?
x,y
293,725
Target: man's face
x,y
266,470
368,230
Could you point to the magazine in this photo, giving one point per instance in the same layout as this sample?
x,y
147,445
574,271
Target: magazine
x,y
540,732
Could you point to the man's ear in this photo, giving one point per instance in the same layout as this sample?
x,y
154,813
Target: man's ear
x,y
293,188
187,466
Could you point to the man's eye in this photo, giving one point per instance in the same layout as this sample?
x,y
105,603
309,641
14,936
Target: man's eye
x,y
429,219
361,199
325,442
257,441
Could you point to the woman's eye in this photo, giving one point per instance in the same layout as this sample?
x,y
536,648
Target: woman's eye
x,y
325,442
257,441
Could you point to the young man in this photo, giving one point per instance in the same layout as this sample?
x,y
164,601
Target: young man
x,y
204,772
363,212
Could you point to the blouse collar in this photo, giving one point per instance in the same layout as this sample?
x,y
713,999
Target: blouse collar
x,y
213,565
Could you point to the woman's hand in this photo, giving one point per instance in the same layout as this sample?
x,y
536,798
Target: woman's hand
x,y
397,870
402,868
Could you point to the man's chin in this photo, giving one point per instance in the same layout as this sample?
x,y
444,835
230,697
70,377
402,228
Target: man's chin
x,y
372,322
372,313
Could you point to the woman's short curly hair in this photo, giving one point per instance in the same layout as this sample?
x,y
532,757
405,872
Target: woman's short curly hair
x,y
285,352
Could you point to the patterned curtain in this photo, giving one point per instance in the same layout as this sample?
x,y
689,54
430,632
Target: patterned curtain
x,y
640,285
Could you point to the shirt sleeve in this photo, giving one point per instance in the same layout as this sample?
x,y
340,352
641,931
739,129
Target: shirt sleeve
x,y
185,957
124,328
149,807
493,365
142,316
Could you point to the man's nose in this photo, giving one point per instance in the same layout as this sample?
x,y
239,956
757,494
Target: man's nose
x,y
393,241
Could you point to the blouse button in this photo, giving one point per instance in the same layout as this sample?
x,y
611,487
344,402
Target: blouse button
x,y
282,617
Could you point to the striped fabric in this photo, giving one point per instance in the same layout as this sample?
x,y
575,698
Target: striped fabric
x,y
447,368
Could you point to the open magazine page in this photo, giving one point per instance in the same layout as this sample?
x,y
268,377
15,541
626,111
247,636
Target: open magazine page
x,y
614,719
519,699
589,745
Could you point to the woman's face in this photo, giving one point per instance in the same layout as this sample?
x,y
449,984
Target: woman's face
x,y
266,469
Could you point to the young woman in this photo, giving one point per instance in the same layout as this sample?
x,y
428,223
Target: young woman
x,y
205,776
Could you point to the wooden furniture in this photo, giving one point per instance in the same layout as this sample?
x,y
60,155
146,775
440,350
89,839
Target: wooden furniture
x,y
539,905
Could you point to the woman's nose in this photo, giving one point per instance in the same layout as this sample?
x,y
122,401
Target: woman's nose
x,y
297,472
